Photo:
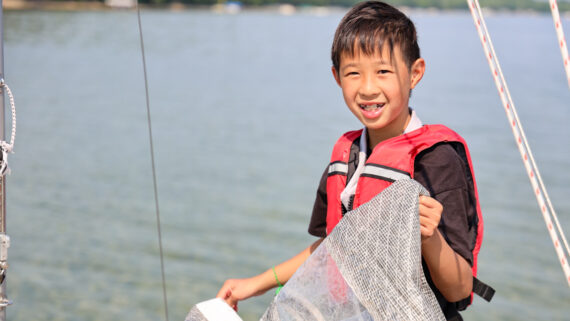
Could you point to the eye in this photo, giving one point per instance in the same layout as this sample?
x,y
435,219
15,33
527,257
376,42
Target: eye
x,y
383,71
351,73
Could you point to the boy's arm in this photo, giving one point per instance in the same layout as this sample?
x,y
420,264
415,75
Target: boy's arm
x,y
449,271
235,290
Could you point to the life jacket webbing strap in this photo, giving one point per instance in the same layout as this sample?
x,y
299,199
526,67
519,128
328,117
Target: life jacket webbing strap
x,y
483,290
456,317
384,172
338,168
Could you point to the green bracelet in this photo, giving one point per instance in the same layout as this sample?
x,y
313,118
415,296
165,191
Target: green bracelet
x,y
278,283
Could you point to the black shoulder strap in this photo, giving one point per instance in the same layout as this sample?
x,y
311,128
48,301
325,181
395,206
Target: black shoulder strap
x,y
483,290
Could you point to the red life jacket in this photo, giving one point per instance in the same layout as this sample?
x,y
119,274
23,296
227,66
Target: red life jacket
x,y
390,160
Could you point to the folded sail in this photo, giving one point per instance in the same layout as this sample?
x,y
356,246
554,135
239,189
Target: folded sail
x,y
368,268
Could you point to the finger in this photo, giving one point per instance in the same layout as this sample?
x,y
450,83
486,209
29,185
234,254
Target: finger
x,y
428,201
430,216
224,293
232,303
424,220
426,212
426,230
428,225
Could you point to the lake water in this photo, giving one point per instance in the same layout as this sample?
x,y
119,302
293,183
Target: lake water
x,y
245,112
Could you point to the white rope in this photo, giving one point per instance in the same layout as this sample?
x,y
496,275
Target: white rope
x,y
532,170
5,147
561,39
10,147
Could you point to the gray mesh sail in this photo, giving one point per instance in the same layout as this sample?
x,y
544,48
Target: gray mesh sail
x,y
195,315
368,268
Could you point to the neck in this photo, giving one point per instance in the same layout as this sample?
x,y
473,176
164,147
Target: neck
x,y
396,128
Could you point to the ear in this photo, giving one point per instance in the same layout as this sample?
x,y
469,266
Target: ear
x,y
417,72
335,75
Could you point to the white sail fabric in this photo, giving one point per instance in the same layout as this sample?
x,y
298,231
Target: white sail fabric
x,y
212,310
368,268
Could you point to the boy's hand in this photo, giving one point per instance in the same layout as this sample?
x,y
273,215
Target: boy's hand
x,y
430,215
235,290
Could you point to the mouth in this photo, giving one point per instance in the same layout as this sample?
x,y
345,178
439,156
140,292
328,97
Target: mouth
x,y
372,111
371,107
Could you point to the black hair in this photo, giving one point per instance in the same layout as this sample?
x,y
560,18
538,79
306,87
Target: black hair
x,y
368,26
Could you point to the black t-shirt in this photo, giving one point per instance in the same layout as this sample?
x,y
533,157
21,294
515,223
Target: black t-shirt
x,y
443,170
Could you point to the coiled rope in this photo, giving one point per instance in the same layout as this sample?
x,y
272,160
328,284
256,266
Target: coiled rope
x,y
544,203
157,208
561,39
5,146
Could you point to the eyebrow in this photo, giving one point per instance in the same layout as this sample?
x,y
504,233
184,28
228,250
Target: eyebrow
x,y
380,62
348,65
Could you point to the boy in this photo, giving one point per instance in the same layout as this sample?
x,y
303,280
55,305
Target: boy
x,y
377,63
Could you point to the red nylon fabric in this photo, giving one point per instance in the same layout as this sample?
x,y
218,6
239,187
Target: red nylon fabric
x,y
398,153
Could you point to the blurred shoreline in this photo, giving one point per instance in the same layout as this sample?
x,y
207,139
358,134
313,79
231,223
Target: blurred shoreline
x,y
53,5
228,8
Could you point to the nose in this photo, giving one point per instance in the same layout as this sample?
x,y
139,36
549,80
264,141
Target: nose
x,y
368,87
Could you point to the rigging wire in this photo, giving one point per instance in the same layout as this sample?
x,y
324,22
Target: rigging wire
x,y
532,170
157,208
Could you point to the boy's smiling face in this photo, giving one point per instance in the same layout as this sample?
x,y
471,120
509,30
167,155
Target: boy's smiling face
x,y
376,88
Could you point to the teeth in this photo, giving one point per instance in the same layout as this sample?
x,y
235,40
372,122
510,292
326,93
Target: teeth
x,y
371,107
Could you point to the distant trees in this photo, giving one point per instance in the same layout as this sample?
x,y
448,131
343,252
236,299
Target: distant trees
x,y
536,5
